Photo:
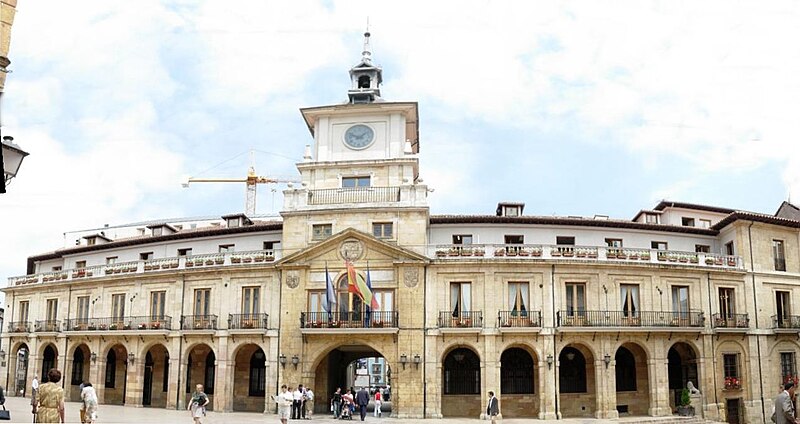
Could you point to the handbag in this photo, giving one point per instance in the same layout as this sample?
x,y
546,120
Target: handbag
x,y
5,414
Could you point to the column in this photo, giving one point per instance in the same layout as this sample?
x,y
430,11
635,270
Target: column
x,y
547,383
605,388
490,370
181,387
134,383
658,384
173,386
223,400
100,386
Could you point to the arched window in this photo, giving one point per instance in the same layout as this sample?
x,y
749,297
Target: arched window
x,y
516,372
350,304
363,81
462,373
208,383
111,369
77,367
258,371
48,362
572,371
626,370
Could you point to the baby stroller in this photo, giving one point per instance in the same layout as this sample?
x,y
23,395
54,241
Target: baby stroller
x,y
347,410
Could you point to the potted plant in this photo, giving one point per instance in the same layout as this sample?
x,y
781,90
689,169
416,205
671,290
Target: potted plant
x,y
142,326
92,327
248,324
102,327
236,260
684,408
247,259
554,252
479,252
694,259
219,261
126,326
189,264
155,325
335,324
259,258
536,252
580,253
731,262
440,253
377,324
500,252
732,383
209,262
645,256
683,259
113,327
709,261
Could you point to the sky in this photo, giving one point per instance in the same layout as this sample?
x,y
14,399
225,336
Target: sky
x,y
575,108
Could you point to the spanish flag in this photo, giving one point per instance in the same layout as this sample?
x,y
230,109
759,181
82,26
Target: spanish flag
x,y
358,285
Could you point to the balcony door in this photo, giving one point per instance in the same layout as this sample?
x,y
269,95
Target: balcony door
x,y
83,310
350,305
460,299
576,299
629,296
118,307
157,305
783,310
202,302
518,298
727,303
680,301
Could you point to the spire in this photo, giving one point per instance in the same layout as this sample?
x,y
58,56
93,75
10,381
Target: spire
x,y
366,54
365,77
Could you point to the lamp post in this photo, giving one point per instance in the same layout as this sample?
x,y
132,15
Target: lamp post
x,y
403,360
549,361
417,360
282,360
11,157
295,361
607,359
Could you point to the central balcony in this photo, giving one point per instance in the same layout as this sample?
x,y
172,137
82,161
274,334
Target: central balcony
x,y
461,322
349,322
201,323
137,324
47,326
630,321
730,322
334,196
519,321
248,322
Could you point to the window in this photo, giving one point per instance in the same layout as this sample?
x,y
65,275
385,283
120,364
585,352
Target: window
x,y
352,182
321,231
226,248
783,310
80,264
511,210
659,245
111,260
680,300
462,373
651,218
788,368
516,371
118,307
730,364
77,367
185,252
702,248
729,248
250,300
270,245
687,222
629,294
572,371
202,302
727,303
576,299
258,374
462,238
91,241
518,298
146,256
208,383
52,310
460,298
705,223
778,254
385,300
111,369
514,239
157,231
612,242
233,222
57,268
565,240
382,230
83,309
157,305
23,311
315,302
376,368
165,377
626,370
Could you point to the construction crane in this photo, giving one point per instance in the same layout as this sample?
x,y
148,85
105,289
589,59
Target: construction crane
x,y
250,183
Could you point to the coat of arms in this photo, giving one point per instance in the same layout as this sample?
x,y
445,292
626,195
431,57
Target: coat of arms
x,y
351,250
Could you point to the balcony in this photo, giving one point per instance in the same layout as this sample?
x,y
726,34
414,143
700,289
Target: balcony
x,y
47,326
111,324
602,254
732,322
248,322
335,196
465,321
631,321
519,321
349,322
200,323
19,327
178,263
786,323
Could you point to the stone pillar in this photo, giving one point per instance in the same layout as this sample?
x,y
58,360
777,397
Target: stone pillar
x,y
490,374
605,389
66,379
134,383
547,386
181,387
173,386
223,403
100,386
272,373
433,379
659,387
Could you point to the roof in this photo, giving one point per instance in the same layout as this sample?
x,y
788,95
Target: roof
x,y
756,217
668,204
646,211
788,210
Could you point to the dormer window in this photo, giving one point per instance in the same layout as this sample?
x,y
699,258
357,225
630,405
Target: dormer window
x,y
233,222
236,221
651,218
510,209
157,231
687,222
91,241
353,182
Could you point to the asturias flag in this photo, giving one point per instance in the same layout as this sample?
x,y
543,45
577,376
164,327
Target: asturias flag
x,y
358,285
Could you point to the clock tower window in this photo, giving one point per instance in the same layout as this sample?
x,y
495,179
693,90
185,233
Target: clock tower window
x,y
363,81
352,182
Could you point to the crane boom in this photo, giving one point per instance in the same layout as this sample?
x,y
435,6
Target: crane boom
x,y
250,186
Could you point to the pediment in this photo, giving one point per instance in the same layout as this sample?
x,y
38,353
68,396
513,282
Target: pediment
x,y
353,245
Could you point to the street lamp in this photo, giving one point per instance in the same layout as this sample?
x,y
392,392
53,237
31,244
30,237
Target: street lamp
x,y
607,359
295,361
403,360
131,357
11,159
549,361
417,360
282,360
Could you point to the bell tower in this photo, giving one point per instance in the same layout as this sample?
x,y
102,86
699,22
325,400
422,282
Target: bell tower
x,y
365,78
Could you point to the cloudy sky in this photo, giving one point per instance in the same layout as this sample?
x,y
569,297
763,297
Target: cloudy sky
x,y
574,108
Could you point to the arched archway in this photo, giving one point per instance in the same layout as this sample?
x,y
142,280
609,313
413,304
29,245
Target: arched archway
x,y
201,369
576,381
79,372
49,361
518,376
461,383
681,369
633,385
156,377
250,376
114,376
18,364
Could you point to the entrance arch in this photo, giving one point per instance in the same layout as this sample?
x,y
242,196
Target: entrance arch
x,y
114,377
201,368
633,385
681,368
18,363
518,377
352,366
49,361
79,372
156,377
461,384
576,381
250,377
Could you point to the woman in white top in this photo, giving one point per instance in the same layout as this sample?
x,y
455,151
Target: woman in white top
x,y
285,400
89,397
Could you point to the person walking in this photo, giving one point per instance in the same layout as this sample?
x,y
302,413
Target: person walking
x,y
308,404
49,406
197,405
492,409
362,400
89,397
34,385
784,408
83,405
336,403
284,400
297,402
377,412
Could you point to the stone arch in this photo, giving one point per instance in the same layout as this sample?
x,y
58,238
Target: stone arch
x,y
327,348
632,379
18,368
461,378
682,367
519,375
576,380
144,348
249,374
48,360
531,348
79,359
114,373
776,358
457,345
200,360
155,386
647,350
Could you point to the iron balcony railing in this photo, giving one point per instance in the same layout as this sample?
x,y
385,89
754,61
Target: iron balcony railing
x,y
780,264
140,323
353,195
248,321
199,322
19,327
580,318
350,319
519,319
43,326
462,319
730,321
786,321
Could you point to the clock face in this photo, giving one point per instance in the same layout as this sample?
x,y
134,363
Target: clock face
x,y
359,137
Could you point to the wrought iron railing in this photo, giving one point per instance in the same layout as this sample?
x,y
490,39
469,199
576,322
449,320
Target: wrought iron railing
x,y
199,322
248,321
43,326
462,319
730,321
786,321
353,195
579,318
351,319
19,327
139,323
780,264
519,319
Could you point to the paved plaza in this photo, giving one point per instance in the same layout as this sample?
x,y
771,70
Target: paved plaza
x,y
21,413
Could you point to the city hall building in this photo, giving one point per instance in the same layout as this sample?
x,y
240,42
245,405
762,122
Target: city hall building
x,y
560,316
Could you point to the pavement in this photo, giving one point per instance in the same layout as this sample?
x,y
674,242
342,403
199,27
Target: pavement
x,y
21,413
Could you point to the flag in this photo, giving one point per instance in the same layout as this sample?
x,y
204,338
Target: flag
x,y
358,285
374,304
330,294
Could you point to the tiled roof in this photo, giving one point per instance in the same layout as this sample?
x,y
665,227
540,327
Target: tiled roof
x,y
757,217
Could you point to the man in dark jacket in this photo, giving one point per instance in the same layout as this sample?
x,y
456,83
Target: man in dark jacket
x,y
492,409
362,400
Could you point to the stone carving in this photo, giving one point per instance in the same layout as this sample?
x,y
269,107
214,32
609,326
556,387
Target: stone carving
x,y
351,250
692,390
411,277
292,279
